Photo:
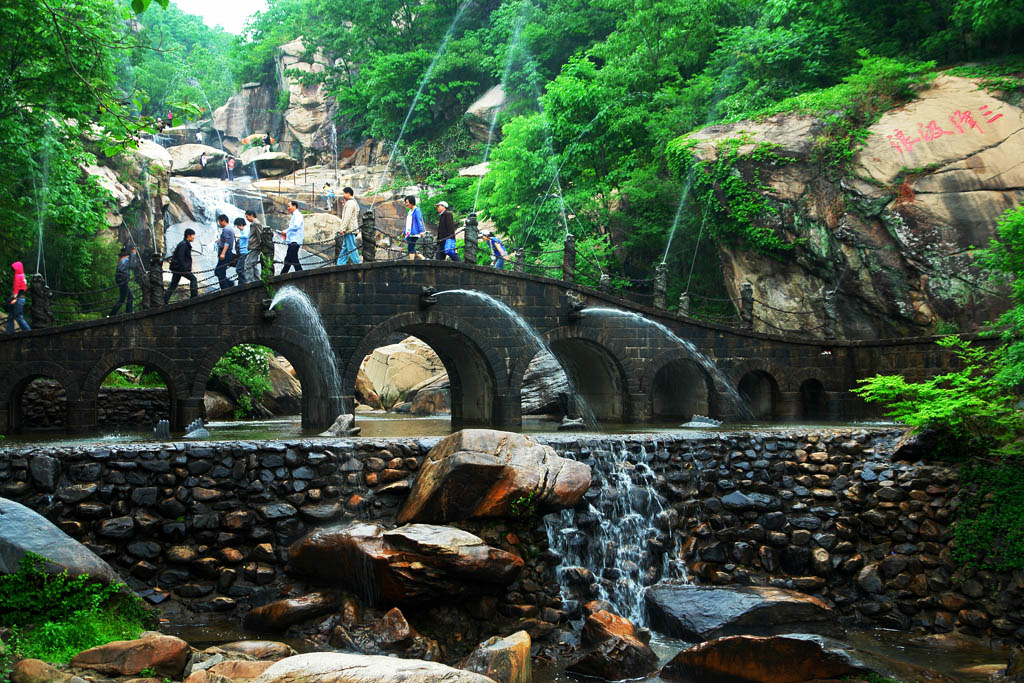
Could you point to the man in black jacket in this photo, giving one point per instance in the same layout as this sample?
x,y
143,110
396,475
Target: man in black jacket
x,y
445,234
181,266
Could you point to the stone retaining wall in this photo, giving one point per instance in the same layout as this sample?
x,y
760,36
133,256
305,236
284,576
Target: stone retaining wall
x,y
826,513
44,406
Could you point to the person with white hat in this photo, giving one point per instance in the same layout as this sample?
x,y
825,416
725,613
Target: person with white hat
x,y
445,233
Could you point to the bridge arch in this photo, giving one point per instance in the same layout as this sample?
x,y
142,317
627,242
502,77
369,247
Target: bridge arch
x,y
480,389
11,416
595,369
757,384
148,358
678,387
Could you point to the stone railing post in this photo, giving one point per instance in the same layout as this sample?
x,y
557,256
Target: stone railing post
x,y
829,330
747,305
605,283
684,304
369,231
519,265
156,280
661,286
427,244
41,310
471,239
569,258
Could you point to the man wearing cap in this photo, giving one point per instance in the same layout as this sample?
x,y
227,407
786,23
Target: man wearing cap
x,y
445,234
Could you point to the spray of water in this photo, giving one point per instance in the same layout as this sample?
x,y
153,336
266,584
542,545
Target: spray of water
x,y
309,323
733,396
419,91
530,334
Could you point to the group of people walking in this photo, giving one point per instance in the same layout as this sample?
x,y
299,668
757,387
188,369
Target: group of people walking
x,y
248,246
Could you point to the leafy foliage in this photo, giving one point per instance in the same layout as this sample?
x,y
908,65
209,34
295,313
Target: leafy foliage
x,y
246,365
54,617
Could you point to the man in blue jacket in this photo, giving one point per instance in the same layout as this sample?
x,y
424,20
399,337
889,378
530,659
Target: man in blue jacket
x,y
413,226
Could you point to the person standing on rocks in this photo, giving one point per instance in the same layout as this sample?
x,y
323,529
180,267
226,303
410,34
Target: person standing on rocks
x,y
293,236
204,160
181,266
413,227
225,252
261,246
229,168
445,234
126,266
16,302
349,228
242,240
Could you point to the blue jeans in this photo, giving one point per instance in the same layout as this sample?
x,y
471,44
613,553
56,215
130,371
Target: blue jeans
x,y
499,263
16,315
349,252
221,271
240,269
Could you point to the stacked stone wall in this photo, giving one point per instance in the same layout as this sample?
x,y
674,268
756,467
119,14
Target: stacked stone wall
x,y
44,406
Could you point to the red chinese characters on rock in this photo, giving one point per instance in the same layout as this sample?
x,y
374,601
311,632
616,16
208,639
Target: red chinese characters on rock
x,y
962,121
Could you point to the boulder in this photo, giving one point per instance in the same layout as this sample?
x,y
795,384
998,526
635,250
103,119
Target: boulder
x,y
699,613
285,395
612,649
395,369
481,113
253,109
543,381
503,660
185,159
894,237
164,655
767,659
268,164
365,393
431,396
25,531
476,170
336,667
413,563
476,473
218,406
277,616
344,425
259,649
38,671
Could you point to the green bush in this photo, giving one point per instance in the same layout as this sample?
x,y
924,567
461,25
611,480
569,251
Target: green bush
x,y
53,617
247,365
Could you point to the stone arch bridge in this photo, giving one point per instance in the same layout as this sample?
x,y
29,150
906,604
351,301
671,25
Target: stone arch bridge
x,y
628,370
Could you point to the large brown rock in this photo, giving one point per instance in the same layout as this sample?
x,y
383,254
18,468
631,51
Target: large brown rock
x,y
277,616
894,243
759,659
165,655
480,114
612,649
260,649
37,671
477,473
185,159
699,613
395,369
334,667
285,395
413,563
503,660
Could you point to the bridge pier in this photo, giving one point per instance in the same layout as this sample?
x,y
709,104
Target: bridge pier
x,y
81,416
185,410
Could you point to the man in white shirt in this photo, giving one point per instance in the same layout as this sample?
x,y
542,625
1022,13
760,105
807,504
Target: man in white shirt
x,y
293,236
349,228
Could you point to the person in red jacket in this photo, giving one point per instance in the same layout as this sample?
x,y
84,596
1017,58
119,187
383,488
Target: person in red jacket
x,y
17,300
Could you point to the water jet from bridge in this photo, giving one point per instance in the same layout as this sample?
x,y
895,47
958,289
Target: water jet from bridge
x,y
731,395
579,403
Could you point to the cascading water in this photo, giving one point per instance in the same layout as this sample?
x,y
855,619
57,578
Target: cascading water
x,y
733,396
610,545
309,323
529,333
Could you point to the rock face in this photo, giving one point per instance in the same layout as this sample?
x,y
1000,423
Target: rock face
x,y
165,655
773,659
186,159
895,243
503,660
277,616
431,396
543,381
395,369
699,613
252,110
308,113
482,112
333,667
25,531
413,563
476,473
268,164
613,651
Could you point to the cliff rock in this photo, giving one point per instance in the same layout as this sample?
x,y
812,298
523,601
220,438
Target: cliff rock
x,y
893,236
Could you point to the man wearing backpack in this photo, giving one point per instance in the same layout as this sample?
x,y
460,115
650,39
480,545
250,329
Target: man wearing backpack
x,y
126,266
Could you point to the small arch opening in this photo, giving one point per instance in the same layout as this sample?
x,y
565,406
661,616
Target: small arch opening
x,y
813,402
133,397
597,377
680,390
253,381
760,391
405,377
38,404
